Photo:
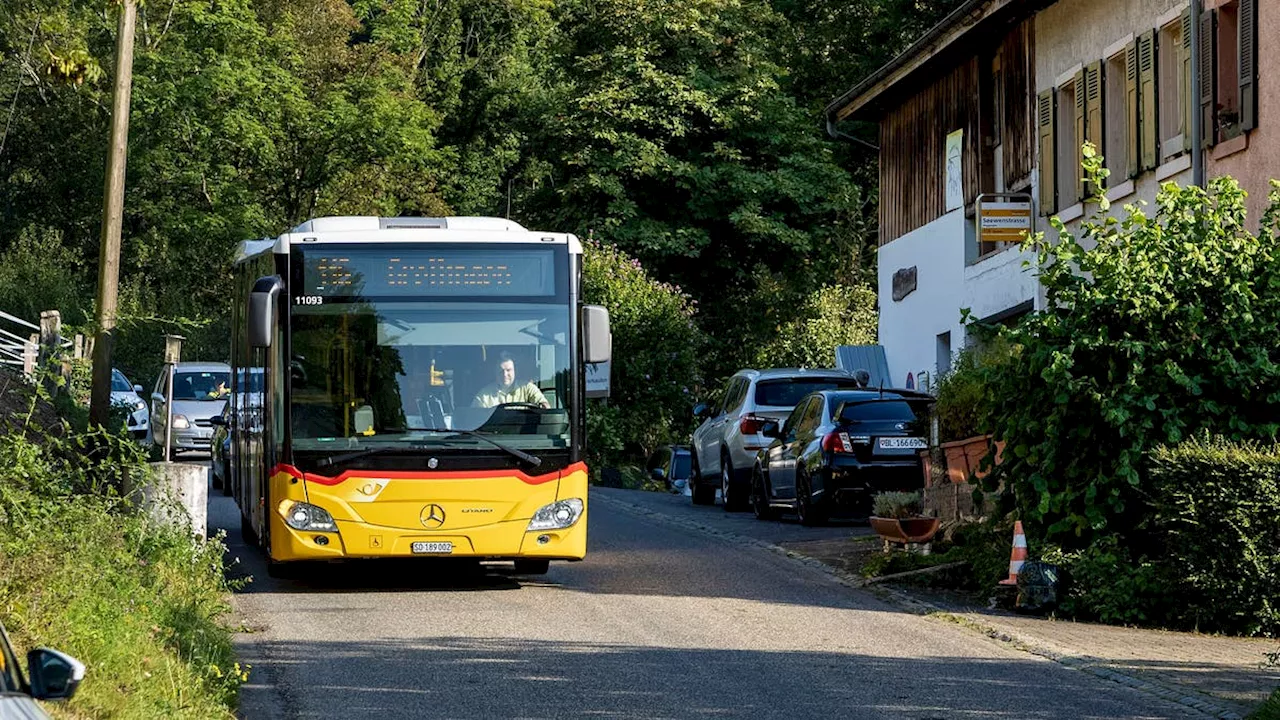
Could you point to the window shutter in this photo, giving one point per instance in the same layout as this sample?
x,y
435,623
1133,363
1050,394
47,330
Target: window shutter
x,y
1048,169
1148,103
1076,192
1131,108
1187,103
1208,70
1093,129
1248,49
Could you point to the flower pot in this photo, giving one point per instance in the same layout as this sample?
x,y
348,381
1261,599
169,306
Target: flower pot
x,y
926,466
964,457
917,529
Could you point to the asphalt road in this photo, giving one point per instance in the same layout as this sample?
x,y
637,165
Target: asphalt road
x,y
658,622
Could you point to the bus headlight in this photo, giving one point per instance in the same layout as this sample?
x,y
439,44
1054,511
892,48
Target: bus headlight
x,y
305,516
557,515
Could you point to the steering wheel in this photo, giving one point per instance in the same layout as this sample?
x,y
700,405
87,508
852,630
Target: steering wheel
x,y
519,405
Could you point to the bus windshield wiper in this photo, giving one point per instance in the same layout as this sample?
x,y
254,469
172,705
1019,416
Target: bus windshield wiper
x,y
533,460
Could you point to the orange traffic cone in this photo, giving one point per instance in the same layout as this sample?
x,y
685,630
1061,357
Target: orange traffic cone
x,y
1018,556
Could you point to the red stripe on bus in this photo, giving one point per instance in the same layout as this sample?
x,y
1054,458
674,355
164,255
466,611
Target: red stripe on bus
x,y
477,475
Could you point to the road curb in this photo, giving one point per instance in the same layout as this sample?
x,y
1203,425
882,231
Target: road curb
x,y
1169,692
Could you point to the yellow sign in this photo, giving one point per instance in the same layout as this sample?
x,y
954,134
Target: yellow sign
x,y
1004,221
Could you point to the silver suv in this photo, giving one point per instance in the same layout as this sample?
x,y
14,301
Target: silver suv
x,y
725,445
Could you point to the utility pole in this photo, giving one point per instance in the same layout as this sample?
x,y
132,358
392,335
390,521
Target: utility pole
x,y
1197,117
112,216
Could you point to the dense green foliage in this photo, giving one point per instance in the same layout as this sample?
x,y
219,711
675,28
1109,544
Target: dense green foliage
x,y
1217,506
654,371
689,134
961,392
830,316
1158,326
80,570
1207,557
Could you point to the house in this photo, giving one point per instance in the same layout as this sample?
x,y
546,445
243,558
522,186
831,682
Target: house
x,y
980,127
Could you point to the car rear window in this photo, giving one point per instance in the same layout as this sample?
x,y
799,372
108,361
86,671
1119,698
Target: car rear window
x,y
887,411
787,392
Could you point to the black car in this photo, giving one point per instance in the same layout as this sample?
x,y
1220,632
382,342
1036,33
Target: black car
x,y
220,450
669,465
837,449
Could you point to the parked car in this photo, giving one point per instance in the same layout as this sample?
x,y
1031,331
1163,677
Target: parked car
x,y
200,391
53,676
726,443
129,396
243,408
669,465
837,449
220,450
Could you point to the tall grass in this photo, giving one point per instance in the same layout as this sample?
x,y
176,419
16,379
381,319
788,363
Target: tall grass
x,y
142,605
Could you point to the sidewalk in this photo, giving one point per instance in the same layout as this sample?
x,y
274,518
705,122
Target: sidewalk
x,y
1222,676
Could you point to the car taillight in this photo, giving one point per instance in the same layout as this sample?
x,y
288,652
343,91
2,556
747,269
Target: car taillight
x,y
837,442
843,442
750,424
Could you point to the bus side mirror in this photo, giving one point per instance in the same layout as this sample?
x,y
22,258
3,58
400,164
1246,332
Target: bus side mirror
x,y
597,342
262,311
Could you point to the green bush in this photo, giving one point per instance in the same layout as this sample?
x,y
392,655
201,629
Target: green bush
x,y
1217,511
1156,327
656,346
140,605
1207,558
1270,710
961,391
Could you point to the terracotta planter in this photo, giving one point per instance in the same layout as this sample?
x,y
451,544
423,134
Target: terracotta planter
x,y
964,457
905,530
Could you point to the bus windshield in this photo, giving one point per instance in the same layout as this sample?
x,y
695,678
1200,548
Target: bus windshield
x,y
400,372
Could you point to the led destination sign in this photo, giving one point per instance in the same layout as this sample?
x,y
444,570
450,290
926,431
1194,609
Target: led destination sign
x,y
331,272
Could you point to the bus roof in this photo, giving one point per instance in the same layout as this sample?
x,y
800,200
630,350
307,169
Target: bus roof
x,y
369,228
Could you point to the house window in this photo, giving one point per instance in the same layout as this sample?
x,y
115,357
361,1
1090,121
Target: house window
x,y
1068,151
1228,70
1116,152
1172,116
1228,100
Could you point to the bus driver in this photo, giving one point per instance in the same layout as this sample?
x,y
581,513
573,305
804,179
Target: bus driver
x,y
505,389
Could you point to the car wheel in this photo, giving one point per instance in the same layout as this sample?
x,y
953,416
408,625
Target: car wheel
x,y
702,493
811,514
731,495
532,567
760,497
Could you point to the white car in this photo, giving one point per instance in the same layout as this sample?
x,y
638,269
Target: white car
x,y
128,395
725,445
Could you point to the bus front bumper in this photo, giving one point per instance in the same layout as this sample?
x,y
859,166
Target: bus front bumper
x,y
499,541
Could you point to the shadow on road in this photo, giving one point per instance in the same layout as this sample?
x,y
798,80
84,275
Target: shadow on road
x,y
453,677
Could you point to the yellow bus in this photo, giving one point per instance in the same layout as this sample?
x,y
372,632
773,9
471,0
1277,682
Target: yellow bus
x,y
412,387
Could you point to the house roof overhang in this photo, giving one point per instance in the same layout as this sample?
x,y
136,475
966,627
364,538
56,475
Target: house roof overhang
x,y
959,36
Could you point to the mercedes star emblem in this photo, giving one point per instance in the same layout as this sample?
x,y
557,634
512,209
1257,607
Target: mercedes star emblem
x,y
432,516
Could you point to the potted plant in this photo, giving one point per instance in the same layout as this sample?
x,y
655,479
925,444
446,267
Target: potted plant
x,y
960,394
897,519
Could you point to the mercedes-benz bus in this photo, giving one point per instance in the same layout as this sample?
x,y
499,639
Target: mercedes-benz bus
x,y
423,391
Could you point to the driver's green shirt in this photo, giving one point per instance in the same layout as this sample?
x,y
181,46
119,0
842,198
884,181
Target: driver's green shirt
x,y
493,395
